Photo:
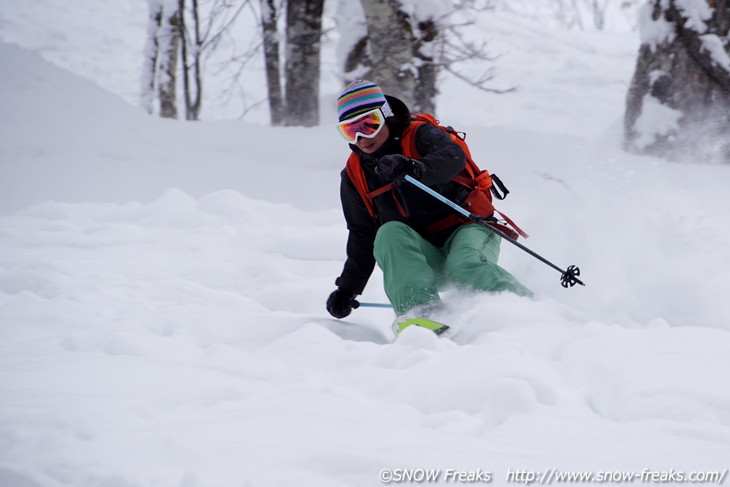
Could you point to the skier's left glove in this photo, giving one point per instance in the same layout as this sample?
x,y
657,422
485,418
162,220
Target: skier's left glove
x,y
341,303
394,166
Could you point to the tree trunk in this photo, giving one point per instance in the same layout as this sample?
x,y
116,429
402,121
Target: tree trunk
x,y
193,89
271,61
679,99
169,41
391,48
151,49
303,33
352,49
357,61
425,51
599,14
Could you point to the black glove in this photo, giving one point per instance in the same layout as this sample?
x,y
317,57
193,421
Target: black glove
x,y
393,166
341,302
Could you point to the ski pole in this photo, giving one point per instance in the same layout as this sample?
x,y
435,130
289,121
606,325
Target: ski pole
x,y
374,305
568,277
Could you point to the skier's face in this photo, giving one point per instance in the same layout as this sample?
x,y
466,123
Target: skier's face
x,y
368,146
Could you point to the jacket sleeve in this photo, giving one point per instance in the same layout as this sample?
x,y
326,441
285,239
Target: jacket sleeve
x,y
360,241
442,158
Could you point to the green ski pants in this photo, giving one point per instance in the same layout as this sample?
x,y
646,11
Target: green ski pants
x,y
414,269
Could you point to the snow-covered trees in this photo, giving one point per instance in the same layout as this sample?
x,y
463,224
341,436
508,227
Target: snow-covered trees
x,y
161,54
678,105
390,42
404,45
177,37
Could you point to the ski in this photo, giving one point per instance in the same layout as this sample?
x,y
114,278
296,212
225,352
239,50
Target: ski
x,y
405,321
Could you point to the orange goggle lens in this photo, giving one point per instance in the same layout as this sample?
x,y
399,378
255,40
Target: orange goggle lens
x,y
366,125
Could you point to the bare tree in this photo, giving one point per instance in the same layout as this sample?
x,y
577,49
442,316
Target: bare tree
x,y
191,41
151,50
160,57
303,39
456,48
179,33
425,53
169,45
406,50
573,14
353,44
295,101
391,40
269,22
679,99
357,62
208,29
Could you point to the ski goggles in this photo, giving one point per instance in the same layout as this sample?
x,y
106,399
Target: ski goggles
x,y
367,125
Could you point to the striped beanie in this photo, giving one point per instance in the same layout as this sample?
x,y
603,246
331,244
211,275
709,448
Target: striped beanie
x,y
359,97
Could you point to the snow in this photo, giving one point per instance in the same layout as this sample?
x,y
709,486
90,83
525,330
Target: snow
x,y
656,120
654,31
351,27
162,287
716,47
423,10
696,14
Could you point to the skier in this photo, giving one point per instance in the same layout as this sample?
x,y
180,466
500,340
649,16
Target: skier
x,y
407,238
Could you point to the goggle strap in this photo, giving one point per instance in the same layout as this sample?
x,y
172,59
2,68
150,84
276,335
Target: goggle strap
x,y
386,110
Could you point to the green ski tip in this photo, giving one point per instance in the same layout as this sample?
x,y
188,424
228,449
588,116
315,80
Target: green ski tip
x,y
405,322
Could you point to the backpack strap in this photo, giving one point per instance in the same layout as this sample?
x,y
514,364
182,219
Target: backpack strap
x,y
357,176
471,172
408,139
512,224
392,187
498,186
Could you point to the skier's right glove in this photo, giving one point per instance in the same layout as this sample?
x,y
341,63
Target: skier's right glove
x,y
341,303
394,166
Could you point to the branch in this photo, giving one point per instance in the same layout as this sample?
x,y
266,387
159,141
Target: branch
x,y
480,83
690,38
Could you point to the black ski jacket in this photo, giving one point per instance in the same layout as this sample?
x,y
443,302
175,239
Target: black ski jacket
x,y
442,158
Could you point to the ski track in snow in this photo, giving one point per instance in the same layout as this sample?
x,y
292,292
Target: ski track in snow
x,y
162,313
